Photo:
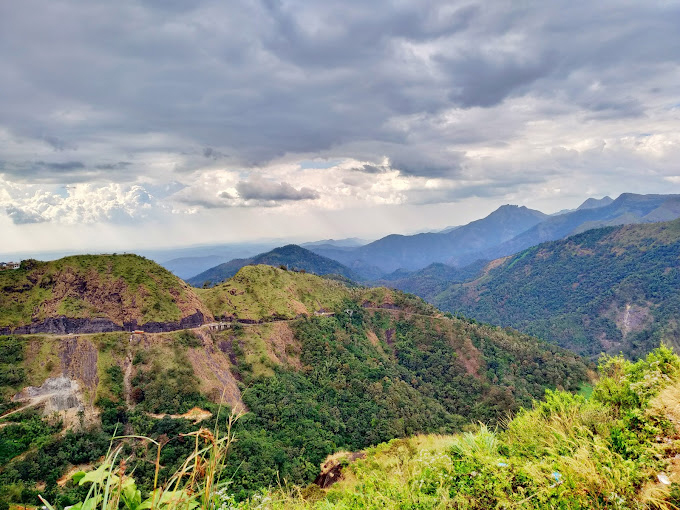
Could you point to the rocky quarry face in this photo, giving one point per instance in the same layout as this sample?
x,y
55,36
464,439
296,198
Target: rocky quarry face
x,y
56,394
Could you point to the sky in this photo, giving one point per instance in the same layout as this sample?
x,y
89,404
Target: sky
x,y
134,124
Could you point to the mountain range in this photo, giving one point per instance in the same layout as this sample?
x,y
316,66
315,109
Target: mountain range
x,y
505,231
417,251
628,208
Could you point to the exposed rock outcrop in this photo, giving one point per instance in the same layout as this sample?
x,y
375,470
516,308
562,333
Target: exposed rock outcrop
x,y
331,469
65,326
191,321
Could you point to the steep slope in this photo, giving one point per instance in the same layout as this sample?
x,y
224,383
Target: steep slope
x,y
93,293
291,255
459,246
607,289
369,366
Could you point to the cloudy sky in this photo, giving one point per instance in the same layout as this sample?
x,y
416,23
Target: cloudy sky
x,y
140,123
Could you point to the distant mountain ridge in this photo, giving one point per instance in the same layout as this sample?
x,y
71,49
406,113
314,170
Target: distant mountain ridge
x,y
350,242
628,208
291,256
417,251
505,231
594,203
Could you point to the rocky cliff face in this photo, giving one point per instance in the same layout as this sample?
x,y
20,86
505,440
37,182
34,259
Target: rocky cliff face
x,y
56,394
66,326
191,321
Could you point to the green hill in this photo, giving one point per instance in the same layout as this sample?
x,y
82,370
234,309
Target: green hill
x,y
265,292
611,289
377,365
291,256
91,293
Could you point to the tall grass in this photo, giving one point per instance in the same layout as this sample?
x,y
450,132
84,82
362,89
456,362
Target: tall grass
x,y
197,483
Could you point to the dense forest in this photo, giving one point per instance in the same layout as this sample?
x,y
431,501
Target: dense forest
x,y
614,449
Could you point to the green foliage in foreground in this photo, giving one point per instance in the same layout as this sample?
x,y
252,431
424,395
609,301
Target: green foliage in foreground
x,y
567,452
357,380
420,374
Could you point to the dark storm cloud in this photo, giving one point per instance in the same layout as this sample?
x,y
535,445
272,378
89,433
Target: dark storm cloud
x,y
372,169
252,81
57,143
260,189
210,153
480,82
65,172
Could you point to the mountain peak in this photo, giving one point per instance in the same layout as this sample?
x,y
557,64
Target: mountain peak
x,y
290,255
594,203
512,210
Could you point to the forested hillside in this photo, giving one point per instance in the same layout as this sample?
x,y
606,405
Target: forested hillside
x,y
359,366
614,450
611,289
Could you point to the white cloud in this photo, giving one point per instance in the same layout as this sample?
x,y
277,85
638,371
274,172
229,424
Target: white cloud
x,y
78,204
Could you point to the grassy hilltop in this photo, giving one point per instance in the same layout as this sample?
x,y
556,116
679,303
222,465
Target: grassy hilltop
x,y
261,292
120,288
